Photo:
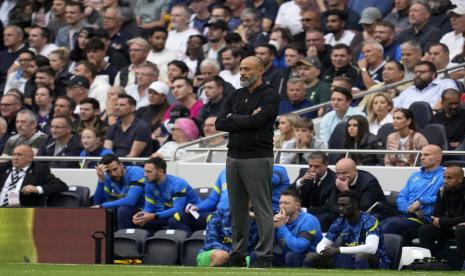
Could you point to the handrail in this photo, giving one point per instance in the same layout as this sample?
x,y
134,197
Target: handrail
x,y
197,141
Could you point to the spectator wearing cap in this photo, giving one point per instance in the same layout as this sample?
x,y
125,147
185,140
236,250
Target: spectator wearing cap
x,y
95,53
454,39
421,30
180,33
272,75
280,38
130,136
268,10
231,59
184,130
183,92
372,65
200,16
77,89
337,33
370,16
161,55
194,54
61,142
341,99
217,30
139,49
317,91
153,113
146,74
99,84
75,20
296,99
214,91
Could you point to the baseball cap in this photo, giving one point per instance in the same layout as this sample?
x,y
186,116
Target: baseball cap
x,y
78,81
310,61
370,15
159,87
218,24
178,112
457,10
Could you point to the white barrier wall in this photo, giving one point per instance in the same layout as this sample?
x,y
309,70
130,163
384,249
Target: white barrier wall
x,y
203,174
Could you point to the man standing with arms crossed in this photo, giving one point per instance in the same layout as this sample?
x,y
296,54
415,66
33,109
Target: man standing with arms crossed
x,y
248,115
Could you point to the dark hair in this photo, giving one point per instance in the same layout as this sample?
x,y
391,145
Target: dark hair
x,y
386,24
76,3
443,47
47,70
108,158
159,29
17,94
296,47
399,65
235,52
227,10
362,130
450,91
344,91
431,66
158,162
285,33
41,61
45,32
181,65
340,46
341,14
67,120
408,115
71,102
130,99
293,193
232,38
28,52
270,48
352,195
186,79
319,155
219,81
93,44
51,93
95,104
90,67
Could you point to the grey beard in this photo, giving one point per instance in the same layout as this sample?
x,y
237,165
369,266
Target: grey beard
x,y
248,82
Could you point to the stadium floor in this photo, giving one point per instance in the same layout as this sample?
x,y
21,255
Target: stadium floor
x,y
90,270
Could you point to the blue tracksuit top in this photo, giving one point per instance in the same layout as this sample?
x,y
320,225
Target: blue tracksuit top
x,y
301,235
127,192
170,197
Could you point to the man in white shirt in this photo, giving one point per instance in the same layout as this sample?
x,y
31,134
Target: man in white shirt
x,y
439,56
145,74
337,33
38,41
426,88
217,30
161,55
177,38
454,39
231,59
289,15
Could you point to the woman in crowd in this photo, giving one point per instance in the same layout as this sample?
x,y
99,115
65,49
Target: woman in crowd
x,y
286,136
78,54
184,130
92,142
404,138
379,112
59,61
358,137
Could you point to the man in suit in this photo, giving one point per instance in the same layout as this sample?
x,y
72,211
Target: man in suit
x,y
315,185
364,183
26,183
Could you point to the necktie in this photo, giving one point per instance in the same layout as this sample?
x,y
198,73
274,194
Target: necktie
x,y
14,179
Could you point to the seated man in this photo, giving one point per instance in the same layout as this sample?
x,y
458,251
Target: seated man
x,y
26,183
296,99
362,242
166,196
417,198
315,185
448,215
119,187
297,233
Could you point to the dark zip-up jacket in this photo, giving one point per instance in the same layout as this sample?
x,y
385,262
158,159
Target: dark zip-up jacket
x,y
450,206
250,136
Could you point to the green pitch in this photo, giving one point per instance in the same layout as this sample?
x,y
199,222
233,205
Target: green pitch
x,y
120,270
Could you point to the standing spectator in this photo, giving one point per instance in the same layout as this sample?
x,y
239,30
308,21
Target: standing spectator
x,y
177,38
130,136
74,18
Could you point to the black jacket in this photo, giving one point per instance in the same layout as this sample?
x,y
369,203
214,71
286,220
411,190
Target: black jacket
x,y
450,207
369,142
250,136
38,175
73,148
316,197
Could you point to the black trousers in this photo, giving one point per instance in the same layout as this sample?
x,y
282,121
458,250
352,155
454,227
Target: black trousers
x,y
429,235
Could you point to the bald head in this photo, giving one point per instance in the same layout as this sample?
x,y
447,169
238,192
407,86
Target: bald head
x,y
431,157
346,168
256,61
22,156
251,71
453,177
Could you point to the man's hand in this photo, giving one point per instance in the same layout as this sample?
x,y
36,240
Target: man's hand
x,y
330,251
101,169
342,185
435,222
308,176
413,207
312,51
280,218
29,189
191,207
256,111
141,218
362,63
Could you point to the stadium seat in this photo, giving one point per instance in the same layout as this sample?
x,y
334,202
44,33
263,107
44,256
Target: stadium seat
x,y
436,135
412,253
75,196
391,197
336,141
422,113
129,243
164,247
384,131
191,247
393,245
203,192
